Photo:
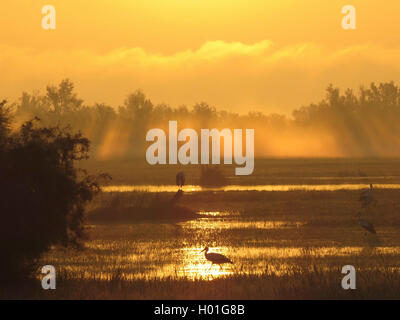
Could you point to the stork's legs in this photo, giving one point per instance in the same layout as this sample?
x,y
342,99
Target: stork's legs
x,y
212,263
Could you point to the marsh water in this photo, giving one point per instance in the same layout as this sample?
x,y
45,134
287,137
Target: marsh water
x,y
282,231
270,187
256,246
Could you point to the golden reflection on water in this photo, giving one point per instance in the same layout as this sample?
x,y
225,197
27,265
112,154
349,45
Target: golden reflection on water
x,y
217,213
288,187
150,259
125,257
191,264
224,223
122,259
196,266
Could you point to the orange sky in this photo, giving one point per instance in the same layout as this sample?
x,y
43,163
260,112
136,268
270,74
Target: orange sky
x,y
241,55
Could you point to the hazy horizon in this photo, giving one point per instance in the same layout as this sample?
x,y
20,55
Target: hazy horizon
x,y
247,56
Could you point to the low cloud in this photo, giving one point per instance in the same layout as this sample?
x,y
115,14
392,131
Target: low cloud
x,y
231,75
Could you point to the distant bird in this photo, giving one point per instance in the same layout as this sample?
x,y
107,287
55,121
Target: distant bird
x,y
367,198
365,224
216,258
180,179
180,182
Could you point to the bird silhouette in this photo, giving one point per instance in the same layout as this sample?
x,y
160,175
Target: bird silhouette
x,y
180,182
367,198
215,258
365,224
180,179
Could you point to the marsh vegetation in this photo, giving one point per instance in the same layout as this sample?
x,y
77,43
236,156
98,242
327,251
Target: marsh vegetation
x,y
284,245
289,227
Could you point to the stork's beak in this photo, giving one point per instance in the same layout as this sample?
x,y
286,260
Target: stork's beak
x,y
203,250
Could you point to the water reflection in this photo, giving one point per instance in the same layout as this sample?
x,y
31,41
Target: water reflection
x,y
190,263
288,187
217,213
154,251
206,224
196,266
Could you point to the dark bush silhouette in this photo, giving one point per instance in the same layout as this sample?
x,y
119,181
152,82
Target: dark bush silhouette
x,y
212,176
42,194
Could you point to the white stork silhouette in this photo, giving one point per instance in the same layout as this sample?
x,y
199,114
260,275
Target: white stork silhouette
x,y
180,179
216,258
367,198
180,182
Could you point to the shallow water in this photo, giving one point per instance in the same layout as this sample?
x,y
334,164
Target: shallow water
x,y
160,251
256,245
288,187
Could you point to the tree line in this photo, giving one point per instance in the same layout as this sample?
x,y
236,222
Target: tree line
x,y
358,123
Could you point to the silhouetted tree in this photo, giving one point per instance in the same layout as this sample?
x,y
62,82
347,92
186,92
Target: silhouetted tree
x,y
42,193
4,121
62,98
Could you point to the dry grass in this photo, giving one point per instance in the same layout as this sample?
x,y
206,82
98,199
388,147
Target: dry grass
x,y
314,283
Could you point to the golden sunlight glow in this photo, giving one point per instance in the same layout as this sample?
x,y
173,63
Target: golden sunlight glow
x,y
289,187
244,55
